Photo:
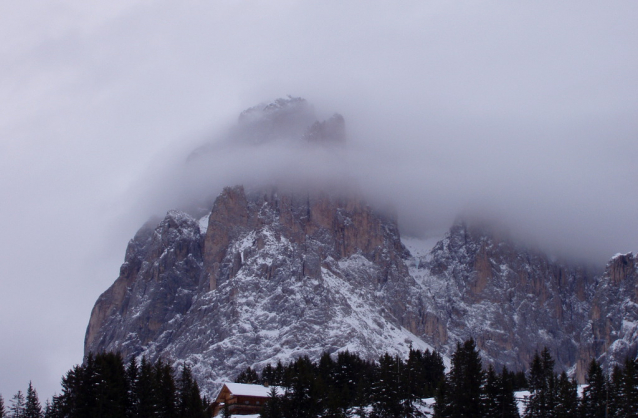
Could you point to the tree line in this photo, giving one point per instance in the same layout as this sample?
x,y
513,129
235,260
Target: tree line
x,y
342,386
393,387
470,391
613,395
348,385
104,386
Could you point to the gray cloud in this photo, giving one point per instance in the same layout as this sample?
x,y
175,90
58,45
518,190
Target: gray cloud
x,y
524,109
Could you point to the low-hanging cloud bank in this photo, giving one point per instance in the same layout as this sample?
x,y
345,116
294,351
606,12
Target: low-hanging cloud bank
x,y
558,187
524,109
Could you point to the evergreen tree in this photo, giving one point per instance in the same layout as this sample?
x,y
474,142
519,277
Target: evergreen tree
x,y
268,376
433,372
55,408
248,376
424,371
594,402
111,390
3,412
165,390
32,408
145,394
189,401
104,388
299,400
509,406
491,393
132,372
519,381
542,385
626,399
566,397
272,409
465,381
614,388
442,405
330,399
17,405
387,391
498,395
363,390
48,411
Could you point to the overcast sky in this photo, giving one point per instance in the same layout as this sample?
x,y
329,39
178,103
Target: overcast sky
x,y
525,110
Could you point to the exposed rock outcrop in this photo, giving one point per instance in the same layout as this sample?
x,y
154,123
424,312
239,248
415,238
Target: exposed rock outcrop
x,y
512,300
157,283
271,273
275,275
612,331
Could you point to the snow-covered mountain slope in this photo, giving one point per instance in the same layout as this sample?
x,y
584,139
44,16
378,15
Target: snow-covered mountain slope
x,y
272,273
272,278
510,299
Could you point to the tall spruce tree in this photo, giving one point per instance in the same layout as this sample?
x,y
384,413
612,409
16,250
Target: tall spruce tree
x,y
144,391
300,400
48,410
594,401
424,372
132,372
248,376
508,404
111,394
491,393
272,408
614,388
626,397
498,395
165,390
462,391
189,401
3,412
32,407
566,397
17,408
17,405
443,404
542,385
387,392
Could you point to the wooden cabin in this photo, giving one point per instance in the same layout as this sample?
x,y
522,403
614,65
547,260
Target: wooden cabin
x,y
242,399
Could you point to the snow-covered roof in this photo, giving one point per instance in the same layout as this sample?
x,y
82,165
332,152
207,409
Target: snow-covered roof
x,y
243,389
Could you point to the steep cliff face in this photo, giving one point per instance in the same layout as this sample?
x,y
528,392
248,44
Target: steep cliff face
x,y
612,331
273,273
157,282
512,300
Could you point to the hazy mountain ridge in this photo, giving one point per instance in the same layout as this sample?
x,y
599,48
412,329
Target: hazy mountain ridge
x,y
273,277
277,273
511,299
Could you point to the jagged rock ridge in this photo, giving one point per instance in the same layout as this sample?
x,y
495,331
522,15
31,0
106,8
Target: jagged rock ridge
x,y
269,274
274,276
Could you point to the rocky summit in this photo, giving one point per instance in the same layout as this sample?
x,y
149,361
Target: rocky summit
x,y
273,273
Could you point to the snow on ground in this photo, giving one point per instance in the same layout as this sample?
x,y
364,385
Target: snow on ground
x,y
521,400
426,406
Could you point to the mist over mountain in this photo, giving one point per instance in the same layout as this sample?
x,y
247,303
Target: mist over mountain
x,y
558,197
522,110
288,241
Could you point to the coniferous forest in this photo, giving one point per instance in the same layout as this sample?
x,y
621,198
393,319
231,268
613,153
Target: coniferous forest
x,y
106,387
342,386
348,385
